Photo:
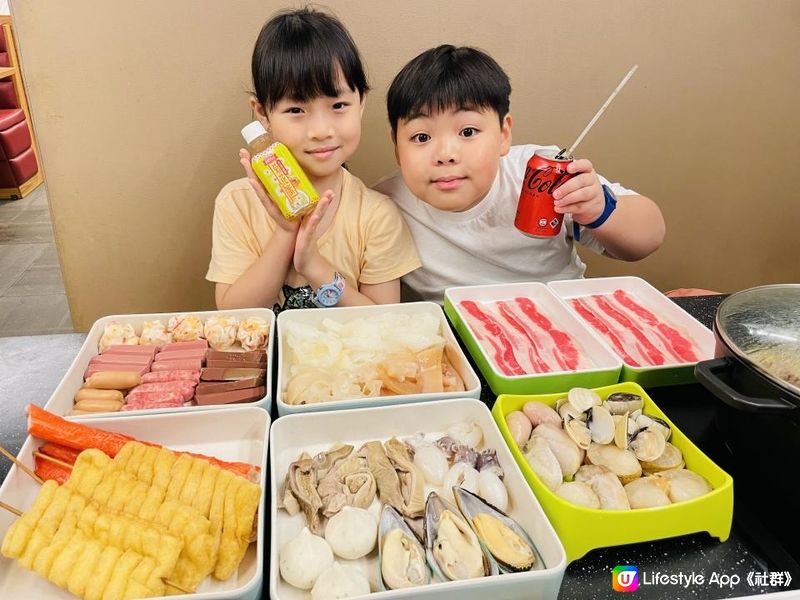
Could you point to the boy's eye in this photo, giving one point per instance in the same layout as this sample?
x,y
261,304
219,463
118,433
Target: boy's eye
x,y
340,105
420,137
469,131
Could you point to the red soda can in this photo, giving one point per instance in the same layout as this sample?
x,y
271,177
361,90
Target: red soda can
x,y
536,215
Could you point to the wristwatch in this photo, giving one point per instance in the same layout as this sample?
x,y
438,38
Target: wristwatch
x,y
329,294
610,207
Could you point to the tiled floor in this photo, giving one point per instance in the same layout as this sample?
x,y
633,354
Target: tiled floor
x,y
32,298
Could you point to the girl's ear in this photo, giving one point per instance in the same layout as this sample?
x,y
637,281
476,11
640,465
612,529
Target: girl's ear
x,y
505,135
258,112
363,104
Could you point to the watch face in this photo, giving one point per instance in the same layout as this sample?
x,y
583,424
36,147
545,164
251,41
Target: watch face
x,y
328,295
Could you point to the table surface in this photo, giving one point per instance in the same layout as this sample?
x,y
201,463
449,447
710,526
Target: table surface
x,y
32,366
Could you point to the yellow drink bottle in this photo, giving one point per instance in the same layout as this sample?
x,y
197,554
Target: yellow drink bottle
x,y
279,171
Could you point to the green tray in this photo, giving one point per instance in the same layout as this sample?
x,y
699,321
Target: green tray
x,y
584,529
542,383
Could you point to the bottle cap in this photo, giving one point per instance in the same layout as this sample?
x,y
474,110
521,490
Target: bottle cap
x,y
252,131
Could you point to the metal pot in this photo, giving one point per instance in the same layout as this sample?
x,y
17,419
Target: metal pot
x,y
758,349
756,375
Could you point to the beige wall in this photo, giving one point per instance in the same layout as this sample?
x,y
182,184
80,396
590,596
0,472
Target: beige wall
x,y
138,111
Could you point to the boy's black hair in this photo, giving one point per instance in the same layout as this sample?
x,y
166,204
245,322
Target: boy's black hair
x,y
297,54
446,77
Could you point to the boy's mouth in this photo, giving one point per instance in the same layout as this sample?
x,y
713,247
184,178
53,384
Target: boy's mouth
x,y
450,182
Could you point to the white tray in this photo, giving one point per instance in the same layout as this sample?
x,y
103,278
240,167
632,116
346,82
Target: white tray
x,y
669,372
61,401
607,365
315,316
316,432
233,434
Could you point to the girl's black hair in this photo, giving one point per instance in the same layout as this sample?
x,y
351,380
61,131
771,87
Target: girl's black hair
x,y
445,77
298,54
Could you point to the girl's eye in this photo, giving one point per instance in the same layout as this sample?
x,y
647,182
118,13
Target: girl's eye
x,y
420,138
294,110
469,131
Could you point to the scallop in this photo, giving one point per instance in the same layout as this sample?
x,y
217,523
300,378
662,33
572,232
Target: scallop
x,y
520,426
539,413
569,456
647,492
684,484
606,485
578,493
543,462
623,463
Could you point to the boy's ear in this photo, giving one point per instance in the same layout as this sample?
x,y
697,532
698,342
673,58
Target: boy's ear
x,y
258,111
505,135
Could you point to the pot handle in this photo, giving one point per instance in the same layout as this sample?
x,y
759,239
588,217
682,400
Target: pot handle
x,y
707,373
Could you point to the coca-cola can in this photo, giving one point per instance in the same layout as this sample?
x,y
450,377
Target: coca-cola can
x,y
536,214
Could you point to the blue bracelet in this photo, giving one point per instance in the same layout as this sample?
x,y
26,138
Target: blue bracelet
x,y
610,206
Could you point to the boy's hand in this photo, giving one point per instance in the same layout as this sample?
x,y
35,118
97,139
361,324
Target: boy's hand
x,y
307,258
273,211
582,195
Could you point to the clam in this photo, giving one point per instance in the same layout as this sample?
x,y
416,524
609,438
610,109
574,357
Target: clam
x,y
543,462
656,424
502,536
579,432
567,410
579,493
401,556
671,458
621,430
601,425
647,492
620,403
623,463
452,548
648,444
582,399
684,484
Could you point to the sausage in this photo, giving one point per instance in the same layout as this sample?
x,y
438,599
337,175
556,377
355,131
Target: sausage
x,y
99,405
97,394
114,380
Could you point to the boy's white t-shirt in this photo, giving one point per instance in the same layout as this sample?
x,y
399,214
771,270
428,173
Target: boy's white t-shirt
x,y
481,245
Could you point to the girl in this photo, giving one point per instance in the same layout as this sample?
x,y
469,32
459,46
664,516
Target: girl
x,y
310,90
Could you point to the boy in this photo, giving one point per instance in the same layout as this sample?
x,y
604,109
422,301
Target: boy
x,y
448,109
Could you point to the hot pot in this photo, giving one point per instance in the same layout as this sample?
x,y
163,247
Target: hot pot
x,y
756,375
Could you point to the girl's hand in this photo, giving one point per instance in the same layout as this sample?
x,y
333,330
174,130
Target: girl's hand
x,y
307,258
272,210
582,195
